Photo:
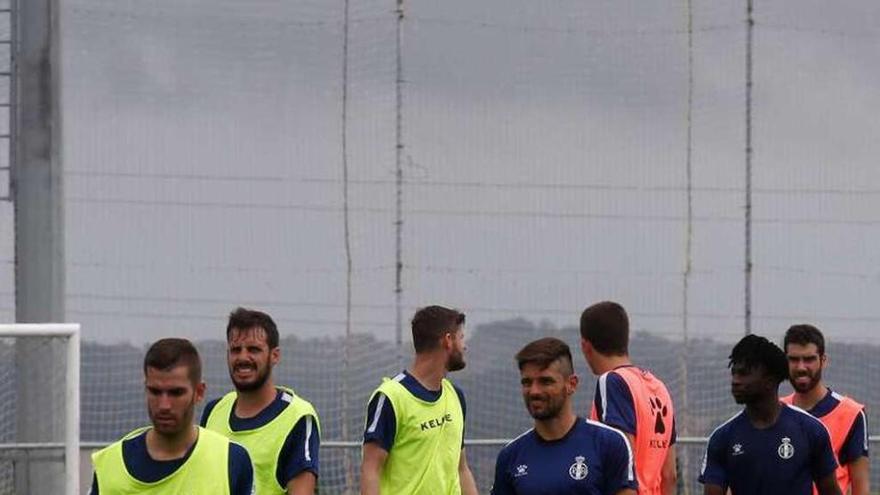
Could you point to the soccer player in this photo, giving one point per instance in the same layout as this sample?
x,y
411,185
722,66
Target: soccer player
x,y
844,417
279,429
414,430
768,448
630,398
563,454
174,455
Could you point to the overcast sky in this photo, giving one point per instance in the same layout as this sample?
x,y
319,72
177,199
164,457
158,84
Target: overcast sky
x,y
545,163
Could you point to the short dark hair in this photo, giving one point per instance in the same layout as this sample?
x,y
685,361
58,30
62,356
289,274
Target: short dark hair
x,y
244,319
754,351
804,334
606,327
430,323
167,354
544,352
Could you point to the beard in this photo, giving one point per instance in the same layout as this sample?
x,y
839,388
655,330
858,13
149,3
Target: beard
x,y
551,408
169,425
455,362
805,386
256,383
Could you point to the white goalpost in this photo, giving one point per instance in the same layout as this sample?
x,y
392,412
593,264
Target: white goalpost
x,y
70,333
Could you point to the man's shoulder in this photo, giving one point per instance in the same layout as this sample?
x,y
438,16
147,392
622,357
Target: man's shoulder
x,y
847,401
722,432
128,437
800,420
286,396
206,434
595,429
520,442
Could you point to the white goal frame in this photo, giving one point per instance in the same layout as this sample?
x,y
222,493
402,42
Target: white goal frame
x,y
71,333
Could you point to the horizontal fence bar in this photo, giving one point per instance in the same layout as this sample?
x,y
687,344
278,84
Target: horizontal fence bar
x,y
340,444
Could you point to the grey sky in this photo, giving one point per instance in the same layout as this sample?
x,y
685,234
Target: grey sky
x,y
546,151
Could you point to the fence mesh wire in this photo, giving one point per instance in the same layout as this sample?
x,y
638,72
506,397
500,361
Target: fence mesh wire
x,y
518,160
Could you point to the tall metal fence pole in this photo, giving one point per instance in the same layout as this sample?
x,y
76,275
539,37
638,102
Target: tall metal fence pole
x,y
750,27
398,159
39,226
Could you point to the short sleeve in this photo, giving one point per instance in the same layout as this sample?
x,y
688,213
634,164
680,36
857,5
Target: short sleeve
x,y
619,464
614,403
856,443
714,469
502,484
381,425
300,451
822,460
241,471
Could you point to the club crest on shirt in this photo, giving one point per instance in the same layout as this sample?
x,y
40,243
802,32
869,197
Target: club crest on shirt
x,y
786,449
737,449
578,470
521,470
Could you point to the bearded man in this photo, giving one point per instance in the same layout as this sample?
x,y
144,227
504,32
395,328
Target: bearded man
x,y
844,417
279,429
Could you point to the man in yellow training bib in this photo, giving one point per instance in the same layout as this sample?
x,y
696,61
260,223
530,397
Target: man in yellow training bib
x,y
279,429
173,456
414,431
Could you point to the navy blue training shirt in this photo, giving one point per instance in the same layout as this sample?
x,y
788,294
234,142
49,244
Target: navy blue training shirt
x,y
382,428
787,457
148,470
591,459
293,458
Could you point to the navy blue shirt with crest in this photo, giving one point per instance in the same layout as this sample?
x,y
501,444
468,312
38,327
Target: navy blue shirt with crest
x,y
785,458
591,459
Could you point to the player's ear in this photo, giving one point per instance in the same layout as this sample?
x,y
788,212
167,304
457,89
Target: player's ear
x,y
448,340
586,347
275,355
823,361
572,383
200,392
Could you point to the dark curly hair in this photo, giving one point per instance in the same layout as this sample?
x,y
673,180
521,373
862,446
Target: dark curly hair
x,y
754,351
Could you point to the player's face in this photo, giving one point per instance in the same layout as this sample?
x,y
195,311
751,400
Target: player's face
x,y
546,391
250,359
456,350
171,399
748,385
805,366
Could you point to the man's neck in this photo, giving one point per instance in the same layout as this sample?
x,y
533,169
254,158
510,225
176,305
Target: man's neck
x,y
171,447
429,371
765,412
808,400
604,364
555,428
249,403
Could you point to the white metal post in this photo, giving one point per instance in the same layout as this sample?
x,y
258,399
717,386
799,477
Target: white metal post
x,y
71,393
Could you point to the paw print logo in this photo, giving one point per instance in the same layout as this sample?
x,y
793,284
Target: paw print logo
x,y
659,410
